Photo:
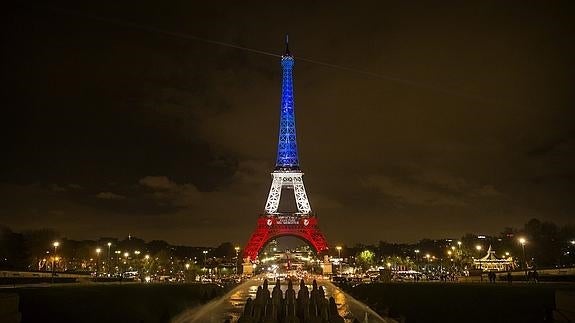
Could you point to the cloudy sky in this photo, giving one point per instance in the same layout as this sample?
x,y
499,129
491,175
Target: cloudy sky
x,y
117,120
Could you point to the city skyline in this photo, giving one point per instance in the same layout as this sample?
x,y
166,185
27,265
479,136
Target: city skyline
x,y
455,127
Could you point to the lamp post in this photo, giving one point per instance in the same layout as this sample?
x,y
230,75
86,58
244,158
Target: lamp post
x,y
523,242
205,252
126,255
98,250
338,248
237,249
479,247
109,261
117,259
56,244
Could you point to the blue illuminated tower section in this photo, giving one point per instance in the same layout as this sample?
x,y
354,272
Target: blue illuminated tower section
x,y
287,158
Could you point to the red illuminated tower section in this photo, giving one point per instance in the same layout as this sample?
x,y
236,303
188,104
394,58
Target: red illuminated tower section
x,y
287,178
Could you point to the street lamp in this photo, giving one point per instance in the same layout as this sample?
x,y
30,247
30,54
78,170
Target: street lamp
x,y
523,242
205,252
109,261
237,249
98,250
55,244
338,248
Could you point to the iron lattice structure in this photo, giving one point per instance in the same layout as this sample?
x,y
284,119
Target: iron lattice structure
x,y
286,176
287,158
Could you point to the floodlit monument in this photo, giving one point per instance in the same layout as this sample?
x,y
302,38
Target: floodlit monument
x,y
287,184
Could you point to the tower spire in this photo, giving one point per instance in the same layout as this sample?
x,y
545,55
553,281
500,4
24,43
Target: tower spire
x,y
287,53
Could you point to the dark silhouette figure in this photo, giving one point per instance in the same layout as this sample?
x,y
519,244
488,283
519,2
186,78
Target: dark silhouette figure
x,y
307,308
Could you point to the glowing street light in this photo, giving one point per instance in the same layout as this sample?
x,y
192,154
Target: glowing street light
x,y
338,248
109,261
205,252
523,242
237,249
98,250
55,244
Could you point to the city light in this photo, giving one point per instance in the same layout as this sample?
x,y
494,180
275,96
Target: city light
x,y
522,241
98,250
56,244
478,247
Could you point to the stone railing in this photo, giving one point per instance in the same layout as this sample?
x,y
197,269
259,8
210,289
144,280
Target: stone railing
x,y
305,307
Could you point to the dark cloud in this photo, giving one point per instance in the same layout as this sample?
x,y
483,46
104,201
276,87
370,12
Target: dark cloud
x,y
109,128
110,196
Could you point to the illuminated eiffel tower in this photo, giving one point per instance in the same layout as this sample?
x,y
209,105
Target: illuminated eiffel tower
x,y
287,177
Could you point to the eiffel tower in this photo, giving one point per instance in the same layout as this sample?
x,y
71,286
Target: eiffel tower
x,y
287,183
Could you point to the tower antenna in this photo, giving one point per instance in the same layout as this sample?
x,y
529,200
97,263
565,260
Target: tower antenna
x,y
287,53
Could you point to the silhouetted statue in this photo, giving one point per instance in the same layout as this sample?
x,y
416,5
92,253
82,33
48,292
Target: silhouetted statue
x,y
306,308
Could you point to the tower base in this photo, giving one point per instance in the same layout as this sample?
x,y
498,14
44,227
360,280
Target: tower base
x,y
274,226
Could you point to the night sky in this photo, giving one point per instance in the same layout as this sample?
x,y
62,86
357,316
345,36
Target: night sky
x,y
464,121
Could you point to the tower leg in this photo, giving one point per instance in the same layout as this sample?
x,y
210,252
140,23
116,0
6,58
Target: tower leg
x,y
274,196
300,195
